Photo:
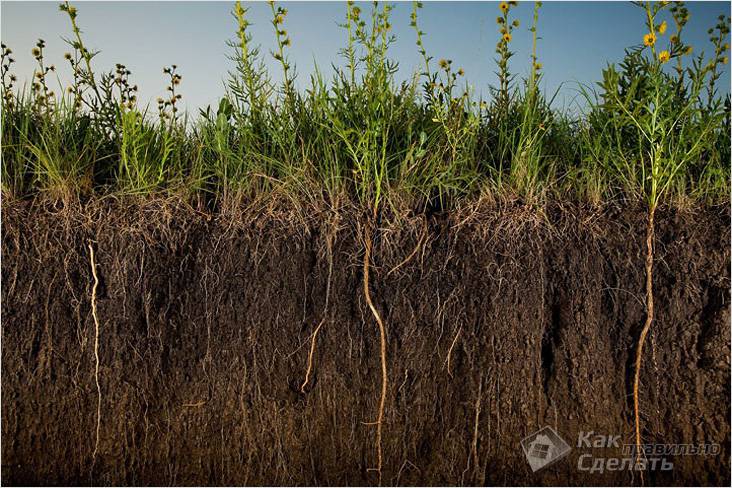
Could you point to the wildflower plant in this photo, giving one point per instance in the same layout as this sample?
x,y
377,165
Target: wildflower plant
x,y
8,78
43,96
127,90
652,129
719,37
506,27
283,42
168,107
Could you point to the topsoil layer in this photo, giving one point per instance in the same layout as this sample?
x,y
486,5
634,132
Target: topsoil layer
x,y
500,320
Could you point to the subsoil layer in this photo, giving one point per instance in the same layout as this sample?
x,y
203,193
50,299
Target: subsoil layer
x,y
500,320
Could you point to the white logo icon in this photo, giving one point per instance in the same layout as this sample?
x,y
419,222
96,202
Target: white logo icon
x,y
543,448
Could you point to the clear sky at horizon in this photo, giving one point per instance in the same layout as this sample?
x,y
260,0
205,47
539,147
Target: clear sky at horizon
x,y
578,39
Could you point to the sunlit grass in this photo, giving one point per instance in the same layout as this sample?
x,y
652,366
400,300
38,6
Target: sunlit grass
x,y
652,129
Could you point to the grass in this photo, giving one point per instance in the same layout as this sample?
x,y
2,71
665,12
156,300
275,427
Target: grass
x,y
363,136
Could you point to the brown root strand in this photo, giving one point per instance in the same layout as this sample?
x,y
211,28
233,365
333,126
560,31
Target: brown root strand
x,y
311,354
476,431
644,331
449,351
93,265
382,334
413,253
314,338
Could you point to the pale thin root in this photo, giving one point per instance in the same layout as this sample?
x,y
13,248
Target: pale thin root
x,y
412,254
314,338
195,405
449,351
644,333
96,349
382,334
476,461
311,354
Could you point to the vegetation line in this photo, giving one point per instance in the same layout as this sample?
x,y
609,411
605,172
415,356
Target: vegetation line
x,y
359,133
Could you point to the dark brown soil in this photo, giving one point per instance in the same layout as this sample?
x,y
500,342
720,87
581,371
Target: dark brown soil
x,y
205,323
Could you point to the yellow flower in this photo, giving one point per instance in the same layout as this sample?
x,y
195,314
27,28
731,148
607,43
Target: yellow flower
x,y
649,39
507,37
674,39
662,28
499,20
503,6
538,65
664,56
688,50
726,46
461,72
442,63
725,60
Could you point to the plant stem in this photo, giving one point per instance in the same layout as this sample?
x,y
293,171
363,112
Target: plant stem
x,y
650,232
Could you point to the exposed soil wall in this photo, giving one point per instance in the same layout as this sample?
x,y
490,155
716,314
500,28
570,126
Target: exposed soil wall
x,y
205,324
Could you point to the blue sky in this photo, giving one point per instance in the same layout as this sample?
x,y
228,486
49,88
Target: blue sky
x,y
578,39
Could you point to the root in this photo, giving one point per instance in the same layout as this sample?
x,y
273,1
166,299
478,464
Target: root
x,y
329,247
314,338
449,351
93,265
476,460
644,332
310,356
382,334
422,237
